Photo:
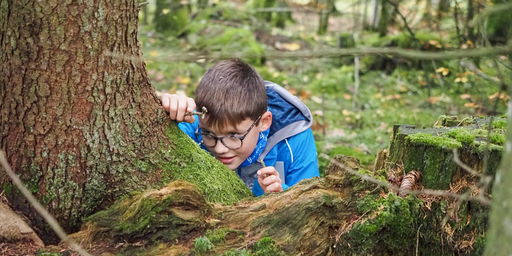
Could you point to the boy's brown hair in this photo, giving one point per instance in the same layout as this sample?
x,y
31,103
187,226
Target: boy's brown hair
x,y
232,91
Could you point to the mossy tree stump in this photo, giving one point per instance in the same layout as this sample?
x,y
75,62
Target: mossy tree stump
x,y
430,150
336,215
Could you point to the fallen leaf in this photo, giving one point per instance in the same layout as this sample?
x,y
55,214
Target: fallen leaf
x,y
465,96
347,96
292,46
304,95
183,80
291,90
443,71
317,99
153,53
318,113
471,105
433,100
402,88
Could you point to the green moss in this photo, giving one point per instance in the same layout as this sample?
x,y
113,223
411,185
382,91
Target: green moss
x,y
7,189
214,180
389,222
266,246
461,134
499,124
202,245
217,236
498,139
481,146
431,140
143,166
438,169
233,252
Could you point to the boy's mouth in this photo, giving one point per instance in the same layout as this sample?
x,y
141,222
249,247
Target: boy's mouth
x,y
227,160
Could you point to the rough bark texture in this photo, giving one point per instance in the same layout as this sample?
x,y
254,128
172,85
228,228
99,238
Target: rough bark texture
x,y
500,230
81,128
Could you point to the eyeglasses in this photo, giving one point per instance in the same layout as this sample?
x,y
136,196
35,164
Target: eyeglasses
x,y
233,141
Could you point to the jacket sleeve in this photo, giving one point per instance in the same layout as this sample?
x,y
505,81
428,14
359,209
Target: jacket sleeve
x,y
303,162
190,128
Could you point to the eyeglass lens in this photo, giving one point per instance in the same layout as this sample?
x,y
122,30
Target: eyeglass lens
x,y
230,141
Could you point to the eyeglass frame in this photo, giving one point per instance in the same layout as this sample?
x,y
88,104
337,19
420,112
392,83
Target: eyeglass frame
x,y
240,137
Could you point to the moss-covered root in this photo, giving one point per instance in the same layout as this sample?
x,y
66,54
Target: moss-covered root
x,y
163,215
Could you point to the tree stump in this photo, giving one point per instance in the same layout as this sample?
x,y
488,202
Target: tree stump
x,y
430,150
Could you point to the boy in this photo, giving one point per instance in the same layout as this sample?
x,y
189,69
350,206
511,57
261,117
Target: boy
x,y
254,127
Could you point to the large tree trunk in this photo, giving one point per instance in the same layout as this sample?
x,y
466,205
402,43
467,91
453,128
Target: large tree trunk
x,y
80,127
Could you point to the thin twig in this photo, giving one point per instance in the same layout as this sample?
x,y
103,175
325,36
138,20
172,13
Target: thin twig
x,y
431,192
40,209
143,3
403,19
479,72
418,239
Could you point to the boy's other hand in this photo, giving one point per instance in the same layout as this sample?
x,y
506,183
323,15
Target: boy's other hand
x,y
177,106
269,180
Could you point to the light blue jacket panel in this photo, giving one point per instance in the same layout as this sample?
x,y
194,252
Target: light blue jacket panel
x,y
298,154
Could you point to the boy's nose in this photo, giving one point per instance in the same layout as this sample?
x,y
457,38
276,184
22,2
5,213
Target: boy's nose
x,y
220,148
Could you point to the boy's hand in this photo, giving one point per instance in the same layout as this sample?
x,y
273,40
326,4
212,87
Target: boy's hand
x,y
269,180
177,106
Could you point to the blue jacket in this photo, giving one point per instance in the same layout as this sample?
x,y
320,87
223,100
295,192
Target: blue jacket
x,y
290,146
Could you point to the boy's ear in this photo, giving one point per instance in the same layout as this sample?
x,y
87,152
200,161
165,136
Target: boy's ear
x,y
265,121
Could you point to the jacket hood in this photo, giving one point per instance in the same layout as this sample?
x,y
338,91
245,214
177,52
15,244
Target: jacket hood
x,y
290,116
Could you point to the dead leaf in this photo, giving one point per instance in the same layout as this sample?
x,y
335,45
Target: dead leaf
x,y
346,112
471,105
318,113
304,95
183,80
465,96
347,96
291,90
317,99
443,71
153,53
402,88
433,100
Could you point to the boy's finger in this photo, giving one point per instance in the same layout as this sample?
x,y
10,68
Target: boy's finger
x,y
268,171
165,101
275,187
173,106
270,180
182,108
189,119
191,104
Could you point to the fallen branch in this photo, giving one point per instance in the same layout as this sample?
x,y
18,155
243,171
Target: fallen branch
x,y
324,53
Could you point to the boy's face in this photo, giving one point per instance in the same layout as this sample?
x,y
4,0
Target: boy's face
x,y
233,158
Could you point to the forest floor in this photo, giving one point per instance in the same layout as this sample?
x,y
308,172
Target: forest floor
x,y
392,90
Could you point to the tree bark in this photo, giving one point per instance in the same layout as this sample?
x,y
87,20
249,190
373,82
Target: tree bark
x,y
326,7
80,128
